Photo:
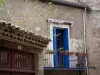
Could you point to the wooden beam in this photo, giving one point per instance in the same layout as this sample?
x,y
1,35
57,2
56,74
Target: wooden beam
x,y
16,70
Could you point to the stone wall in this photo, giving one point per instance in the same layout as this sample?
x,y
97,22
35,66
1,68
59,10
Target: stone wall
x,y
94,43
32,16
93,36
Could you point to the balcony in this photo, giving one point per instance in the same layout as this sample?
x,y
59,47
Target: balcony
x,y
62,60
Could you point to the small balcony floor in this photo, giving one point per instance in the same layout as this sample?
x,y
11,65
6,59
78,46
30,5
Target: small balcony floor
x,y
53,68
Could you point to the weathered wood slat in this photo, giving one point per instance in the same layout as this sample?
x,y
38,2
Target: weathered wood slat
x,y
16,70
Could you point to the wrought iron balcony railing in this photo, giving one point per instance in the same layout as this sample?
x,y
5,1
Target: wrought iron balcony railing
x,y
75,60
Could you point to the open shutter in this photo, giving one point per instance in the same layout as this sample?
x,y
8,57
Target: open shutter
x,y
66,47
55,47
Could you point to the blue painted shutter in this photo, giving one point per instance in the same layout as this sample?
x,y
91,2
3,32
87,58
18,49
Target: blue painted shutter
x,y
66,47
55,47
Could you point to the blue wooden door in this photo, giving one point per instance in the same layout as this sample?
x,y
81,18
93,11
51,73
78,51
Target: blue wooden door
x,y
55,47
66,47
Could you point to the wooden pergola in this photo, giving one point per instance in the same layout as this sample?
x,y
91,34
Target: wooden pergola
x,y
19,50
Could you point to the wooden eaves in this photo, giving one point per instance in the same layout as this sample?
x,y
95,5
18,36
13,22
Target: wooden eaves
x,y
11,33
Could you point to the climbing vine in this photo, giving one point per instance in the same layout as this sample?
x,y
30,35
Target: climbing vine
x,y
2,2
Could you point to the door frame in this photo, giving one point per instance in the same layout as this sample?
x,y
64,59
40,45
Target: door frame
x,y
52,25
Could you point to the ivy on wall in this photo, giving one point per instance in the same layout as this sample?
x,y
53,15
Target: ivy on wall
x,y
2,2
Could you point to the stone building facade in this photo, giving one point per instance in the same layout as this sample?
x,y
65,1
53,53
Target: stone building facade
x,y
33,15
92,36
